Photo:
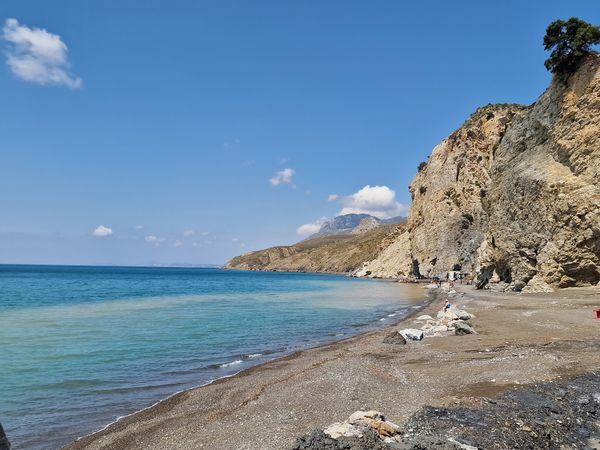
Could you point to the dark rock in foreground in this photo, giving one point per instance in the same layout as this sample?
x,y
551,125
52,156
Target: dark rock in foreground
x,y
394,338
555,415
318,440
4,444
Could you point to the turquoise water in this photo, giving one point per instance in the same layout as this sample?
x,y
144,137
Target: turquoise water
x,y
82,346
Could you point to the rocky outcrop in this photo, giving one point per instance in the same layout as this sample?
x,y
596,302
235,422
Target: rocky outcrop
x,y
512,197
4,444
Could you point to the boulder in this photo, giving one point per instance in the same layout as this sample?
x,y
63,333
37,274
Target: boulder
x,y
4,444
425,317
437,330
361,415
412,334
376,421
460,314
461,328
394,338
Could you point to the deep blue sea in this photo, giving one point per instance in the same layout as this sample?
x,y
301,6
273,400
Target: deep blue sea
x,y
83,346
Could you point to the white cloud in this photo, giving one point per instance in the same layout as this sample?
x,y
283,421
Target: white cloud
x,y
38,56
151,238
379,201
177,243
235,239
310,228
332,197
139,227
283,176
188,233
102,231
195,244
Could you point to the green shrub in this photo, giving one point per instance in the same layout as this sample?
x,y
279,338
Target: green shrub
x,y
569,41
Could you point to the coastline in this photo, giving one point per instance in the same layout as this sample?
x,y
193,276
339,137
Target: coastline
x,y
269,405
391,320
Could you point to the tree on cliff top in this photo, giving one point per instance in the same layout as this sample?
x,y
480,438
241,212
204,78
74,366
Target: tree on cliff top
x,y
569,41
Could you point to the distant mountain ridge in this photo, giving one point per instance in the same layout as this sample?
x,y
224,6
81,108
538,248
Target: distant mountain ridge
x,y
352,224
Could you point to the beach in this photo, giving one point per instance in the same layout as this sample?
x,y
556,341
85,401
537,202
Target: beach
x,y
522,339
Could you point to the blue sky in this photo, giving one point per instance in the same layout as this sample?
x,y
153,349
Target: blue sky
x,y
194,131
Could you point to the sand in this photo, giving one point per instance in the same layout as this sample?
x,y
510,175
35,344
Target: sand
x,y
522,339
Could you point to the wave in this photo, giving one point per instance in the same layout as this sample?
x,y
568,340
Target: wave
x,y
229,364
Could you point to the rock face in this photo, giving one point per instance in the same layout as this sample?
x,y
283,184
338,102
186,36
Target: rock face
x,y
447,222
512,196
544,197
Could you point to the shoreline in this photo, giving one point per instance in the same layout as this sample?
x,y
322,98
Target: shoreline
x,y
286,393
429,297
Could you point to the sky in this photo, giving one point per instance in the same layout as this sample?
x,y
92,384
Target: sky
x,y
187,132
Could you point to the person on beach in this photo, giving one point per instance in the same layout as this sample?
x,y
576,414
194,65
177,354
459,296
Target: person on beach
x,y
447,306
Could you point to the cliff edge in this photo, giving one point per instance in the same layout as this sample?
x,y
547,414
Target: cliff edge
x,y
513,196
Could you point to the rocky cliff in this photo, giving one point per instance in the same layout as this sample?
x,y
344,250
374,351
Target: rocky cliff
x,y
543,204
512,196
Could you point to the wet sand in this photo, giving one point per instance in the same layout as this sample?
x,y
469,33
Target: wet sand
x,y
522,339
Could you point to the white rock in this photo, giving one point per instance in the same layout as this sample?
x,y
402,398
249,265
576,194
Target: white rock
x,y
360,415
336,430
425,317
412,334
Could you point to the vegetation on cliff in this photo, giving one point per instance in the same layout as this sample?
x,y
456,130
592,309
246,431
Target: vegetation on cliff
x,y
570,42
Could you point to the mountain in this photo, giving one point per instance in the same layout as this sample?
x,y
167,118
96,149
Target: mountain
x,y
352,224
341,253
512,198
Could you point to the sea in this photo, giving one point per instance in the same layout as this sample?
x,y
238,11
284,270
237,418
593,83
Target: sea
x,y
83,346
